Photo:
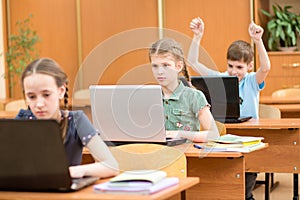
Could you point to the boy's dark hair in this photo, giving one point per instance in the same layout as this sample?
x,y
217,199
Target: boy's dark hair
x,y
240,51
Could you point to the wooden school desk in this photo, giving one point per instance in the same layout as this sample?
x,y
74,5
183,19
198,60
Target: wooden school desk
x,y
8,114
288,106
3,102
90,194
282,155
288,110
222,174
279,100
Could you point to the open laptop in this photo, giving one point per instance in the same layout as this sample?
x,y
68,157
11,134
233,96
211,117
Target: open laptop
x,y
222,93
33,158
130,114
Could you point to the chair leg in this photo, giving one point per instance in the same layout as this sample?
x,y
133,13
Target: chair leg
x,y
274,183
267,186
270,184
296,186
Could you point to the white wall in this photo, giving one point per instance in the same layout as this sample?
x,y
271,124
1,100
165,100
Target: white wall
x,y
2,61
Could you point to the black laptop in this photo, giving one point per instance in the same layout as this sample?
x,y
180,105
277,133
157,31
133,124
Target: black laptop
x,y
222,93
33,158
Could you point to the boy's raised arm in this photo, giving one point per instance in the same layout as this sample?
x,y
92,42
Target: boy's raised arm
x,y
197,26
256,33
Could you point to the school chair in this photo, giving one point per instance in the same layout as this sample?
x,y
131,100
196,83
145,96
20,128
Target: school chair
x,y
268,112
150,156
16,105
287,92
221,128
82,94
140,156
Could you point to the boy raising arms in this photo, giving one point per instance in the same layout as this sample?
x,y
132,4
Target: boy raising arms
x,y
239,63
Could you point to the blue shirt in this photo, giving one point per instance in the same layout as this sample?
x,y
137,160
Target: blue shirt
x,y
249,94
79,133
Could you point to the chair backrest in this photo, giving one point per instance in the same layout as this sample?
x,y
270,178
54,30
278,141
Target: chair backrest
x,y
82,94
16,105
151,156
221,128
268,111
288,92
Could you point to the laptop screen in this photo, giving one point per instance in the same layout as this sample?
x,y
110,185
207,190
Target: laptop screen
x,y
32,156
222,93
128,113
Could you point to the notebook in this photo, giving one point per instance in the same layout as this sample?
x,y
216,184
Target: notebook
x,y
130,114
33,158
222,93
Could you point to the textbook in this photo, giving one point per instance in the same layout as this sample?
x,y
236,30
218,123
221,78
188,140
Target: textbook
x,y
230,148
136,188
138,182
236,139
152,176
234,143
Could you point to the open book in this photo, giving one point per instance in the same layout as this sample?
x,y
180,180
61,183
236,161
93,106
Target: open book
x,y
138,182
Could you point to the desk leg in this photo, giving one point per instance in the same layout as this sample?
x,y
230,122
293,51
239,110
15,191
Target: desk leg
x,y
296,185
182,194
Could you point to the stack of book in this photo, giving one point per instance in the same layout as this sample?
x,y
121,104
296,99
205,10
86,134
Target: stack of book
x,y
235,143
138,182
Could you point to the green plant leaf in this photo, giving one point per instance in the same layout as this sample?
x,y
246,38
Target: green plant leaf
x,y
266,13
21,49
283,26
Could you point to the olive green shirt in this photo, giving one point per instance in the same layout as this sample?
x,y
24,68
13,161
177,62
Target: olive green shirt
x,y
182,108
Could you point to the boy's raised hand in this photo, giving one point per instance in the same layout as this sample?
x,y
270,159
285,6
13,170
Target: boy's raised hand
x,y
197,26
255,32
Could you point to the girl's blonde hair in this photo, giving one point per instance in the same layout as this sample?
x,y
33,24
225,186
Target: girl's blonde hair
x,y
169,46
49,67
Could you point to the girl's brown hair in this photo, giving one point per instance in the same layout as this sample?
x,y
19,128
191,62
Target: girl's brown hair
x,y
49,67
169,46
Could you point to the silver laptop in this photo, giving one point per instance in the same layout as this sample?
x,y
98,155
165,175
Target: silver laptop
x,y
129,114
33,158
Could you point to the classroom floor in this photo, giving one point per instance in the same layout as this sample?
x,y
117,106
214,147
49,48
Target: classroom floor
x,y
282,192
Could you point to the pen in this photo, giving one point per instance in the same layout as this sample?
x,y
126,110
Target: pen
x,y
198,146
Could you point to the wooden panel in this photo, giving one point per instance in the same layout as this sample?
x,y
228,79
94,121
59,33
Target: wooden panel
x,y
282,155
285,64
102,19
226,176
275,83
285,72
55,23
115,39
225,22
